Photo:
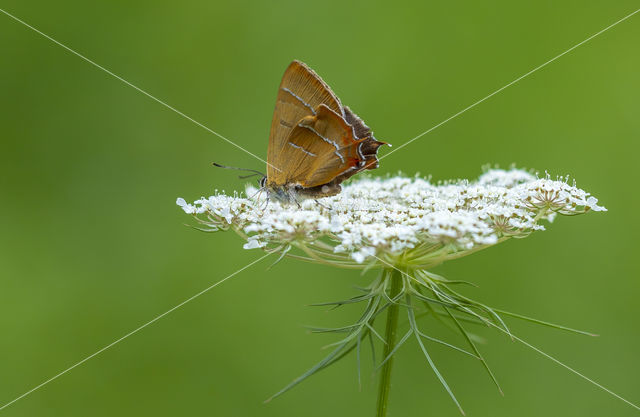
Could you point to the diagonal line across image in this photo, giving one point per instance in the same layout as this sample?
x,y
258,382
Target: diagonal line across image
x,y
510,84
134,331
136,88
260,159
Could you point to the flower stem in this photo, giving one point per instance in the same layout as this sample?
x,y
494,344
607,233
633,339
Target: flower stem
x,y
390,339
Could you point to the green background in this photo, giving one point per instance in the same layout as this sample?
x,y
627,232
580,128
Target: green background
x,y
92,244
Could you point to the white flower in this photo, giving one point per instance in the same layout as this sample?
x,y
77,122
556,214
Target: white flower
x,y
507,179
253,243
399,217
189,208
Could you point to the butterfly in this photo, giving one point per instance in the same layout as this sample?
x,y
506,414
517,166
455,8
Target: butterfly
x,y
315,142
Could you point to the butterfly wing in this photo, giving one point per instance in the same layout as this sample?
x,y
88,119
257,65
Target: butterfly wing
x,y
301,92
323,147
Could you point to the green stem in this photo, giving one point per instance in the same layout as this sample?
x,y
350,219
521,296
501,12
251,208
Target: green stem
x,y
390,340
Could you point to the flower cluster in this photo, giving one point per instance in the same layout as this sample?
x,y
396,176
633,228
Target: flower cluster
x,y
398,217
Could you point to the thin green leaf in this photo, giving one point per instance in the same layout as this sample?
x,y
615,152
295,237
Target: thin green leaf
x,y
373,349
320,365
475,349
545,323
432,300
442,342
282,255
346,351
482,306
413,325
352,300
442,279
457,306
363,322
344,329
376,333
404,339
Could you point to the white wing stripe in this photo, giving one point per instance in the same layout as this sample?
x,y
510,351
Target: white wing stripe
x,y
326,140
299,99
302,149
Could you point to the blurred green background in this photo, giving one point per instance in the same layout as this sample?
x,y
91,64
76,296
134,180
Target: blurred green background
x,y
92,244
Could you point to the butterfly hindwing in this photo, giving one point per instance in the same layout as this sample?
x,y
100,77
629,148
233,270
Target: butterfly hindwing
x,y
320,147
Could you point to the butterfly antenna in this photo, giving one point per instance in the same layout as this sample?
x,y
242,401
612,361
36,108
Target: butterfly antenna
x,y
215,164
242,177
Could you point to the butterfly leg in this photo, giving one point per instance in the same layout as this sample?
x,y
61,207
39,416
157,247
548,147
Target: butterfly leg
x,y
266,201
256,198
291,195
322,205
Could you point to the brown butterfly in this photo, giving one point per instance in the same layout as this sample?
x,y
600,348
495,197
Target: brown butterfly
x,y
315,142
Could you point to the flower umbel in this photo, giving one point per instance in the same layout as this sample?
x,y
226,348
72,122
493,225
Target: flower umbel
x,y
398,218
404,226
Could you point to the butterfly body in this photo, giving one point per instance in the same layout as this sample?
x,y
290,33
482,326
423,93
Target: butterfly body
x,y
315,143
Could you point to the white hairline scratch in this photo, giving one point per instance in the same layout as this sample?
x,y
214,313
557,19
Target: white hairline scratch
x,y
137,88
